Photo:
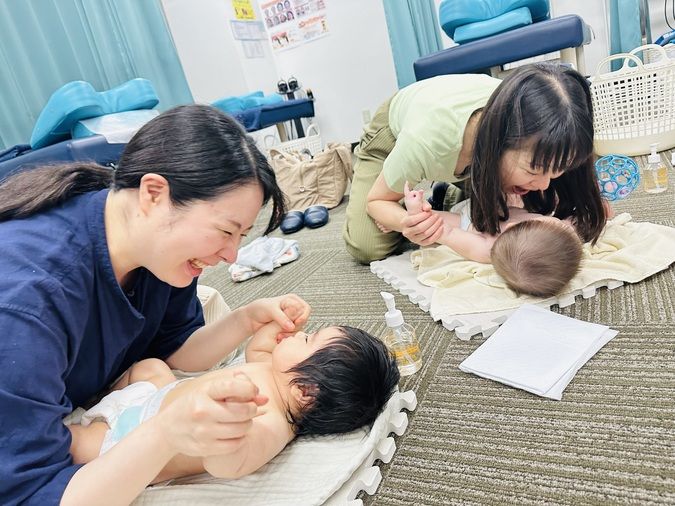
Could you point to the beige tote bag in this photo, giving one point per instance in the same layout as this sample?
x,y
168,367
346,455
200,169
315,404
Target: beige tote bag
x,y
321,180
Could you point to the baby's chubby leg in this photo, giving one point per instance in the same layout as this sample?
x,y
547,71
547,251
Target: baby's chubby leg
x,y
86,442
153,370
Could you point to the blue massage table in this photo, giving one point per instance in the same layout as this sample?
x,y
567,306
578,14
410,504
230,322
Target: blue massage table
x,y
64,131
94,149
567,34
257,118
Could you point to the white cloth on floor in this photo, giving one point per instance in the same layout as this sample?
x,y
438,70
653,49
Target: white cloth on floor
x,y
538,351
262,255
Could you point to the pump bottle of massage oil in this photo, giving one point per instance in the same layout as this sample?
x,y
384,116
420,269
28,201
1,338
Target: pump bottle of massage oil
x,y
655,175
400,339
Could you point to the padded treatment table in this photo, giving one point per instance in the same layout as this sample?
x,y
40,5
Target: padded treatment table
x,y
261,117
566,34
94,148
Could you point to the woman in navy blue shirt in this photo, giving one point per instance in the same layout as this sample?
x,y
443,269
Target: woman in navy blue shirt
x,y
98,269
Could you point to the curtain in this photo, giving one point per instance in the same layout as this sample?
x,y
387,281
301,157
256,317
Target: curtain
x,y
45,44
624,27
413,32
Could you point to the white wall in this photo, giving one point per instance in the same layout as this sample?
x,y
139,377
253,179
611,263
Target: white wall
x,y
594,13
213,60
351,70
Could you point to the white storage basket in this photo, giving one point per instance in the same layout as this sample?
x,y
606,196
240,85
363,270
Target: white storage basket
x,y
311,142
651,55
634,106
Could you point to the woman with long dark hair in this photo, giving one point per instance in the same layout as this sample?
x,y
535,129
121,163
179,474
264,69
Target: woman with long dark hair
x,y
528,136
98,269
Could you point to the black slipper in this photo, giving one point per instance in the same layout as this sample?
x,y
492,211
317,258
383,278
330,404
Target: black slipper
x,y
316,216
292,222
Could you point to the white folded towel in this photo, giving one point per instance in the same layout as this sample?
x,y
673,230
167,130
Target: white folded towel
x,y
538,351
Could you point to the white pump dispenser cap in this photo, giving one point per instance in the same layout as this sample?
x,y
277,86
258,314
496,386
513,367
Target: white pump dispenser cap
x,y
393,317
654,157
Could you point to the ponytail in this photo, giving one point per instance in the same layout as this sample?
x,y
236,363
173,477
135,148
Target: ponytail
x,y
200,151
36,190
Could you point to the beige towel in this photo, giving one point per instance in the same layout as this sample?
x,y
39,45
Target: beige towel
x,y
626,251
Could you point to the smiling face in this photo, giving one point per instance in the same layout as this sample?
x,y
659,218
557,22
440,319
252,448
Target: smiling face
x,y
519,177
294,349
186,240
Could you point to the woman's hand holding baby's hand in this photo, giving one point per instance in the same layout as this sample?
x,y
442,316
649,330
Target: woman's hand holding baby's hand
x,y
424,228
213,419
289,311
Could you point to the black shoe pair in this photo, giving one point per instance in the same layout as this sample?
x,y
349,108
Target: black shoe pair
x,y
312,217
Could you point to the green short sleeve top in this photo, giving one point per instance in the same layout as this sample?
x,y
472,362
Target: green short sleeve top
x,y
428,119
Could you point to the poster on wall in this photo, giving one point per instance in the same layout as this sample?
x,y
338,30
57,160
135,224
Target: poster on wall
x,y
248,30
243,10
291,23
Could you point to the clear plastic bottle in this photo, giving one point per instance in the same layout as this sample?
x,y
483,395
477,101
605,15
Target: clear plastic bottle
x,y
655,174
400,339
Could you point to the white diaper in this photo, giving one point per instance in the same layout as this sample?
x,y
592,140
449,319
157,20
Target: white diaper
x,y
463,208
124,410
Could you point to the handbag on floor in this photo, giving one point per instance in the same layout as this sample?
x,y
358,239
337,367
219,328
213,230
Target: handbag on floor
x,y
319,180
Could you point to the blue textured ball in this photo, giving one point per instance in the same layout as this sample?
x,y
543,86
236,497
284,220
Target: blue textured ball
x,y
618,176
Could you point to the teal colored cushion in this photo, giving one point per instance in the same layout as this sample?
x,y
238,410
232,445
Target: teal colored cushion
x,y
230,105
234,105
259,101
481,29
79,100
455,13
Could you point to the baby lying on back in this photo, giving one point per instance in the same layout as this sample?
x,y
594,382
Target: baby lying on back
x,y
335,380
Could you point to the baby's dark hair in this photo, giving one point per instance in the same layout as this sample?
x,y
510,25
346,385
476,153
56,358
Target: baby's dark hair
x,y
350,380
537,257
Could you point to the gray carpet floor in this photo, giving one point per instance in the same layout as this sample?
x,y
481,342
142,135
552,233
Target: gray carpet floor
x,y
611,440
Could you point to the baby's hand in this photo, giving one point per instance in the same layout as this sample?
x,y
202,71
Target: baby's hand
x,y
413,199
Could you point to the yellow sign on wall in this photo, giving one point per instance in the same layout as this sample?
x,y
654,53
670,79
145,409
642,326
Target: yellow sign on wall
x,y
243,9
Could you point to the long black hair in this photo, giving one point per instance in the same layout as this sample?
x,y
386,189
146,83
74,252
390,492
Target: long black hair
x,y
200,151
349,381
546,108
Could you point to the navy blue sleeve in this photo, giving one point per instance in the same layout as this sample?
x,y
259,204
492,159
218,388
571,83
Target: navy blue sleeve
x,y
183,316
35,461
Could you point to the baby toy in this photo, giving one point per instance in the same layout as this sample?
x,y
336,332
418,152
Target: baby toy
x,y
618,176
413,199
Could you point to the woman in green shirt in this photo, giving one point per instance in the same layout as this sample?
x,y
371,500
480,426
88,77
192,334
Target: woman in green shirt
x,y
528,136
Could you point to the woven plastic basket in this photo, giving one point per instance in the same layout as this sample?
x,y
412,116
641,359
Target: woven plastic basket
x,y
311,142
634,106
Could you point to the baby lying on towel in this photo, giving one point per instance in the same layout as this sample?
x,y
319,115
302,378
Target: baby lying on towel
x,y
626,251
333,381
534,254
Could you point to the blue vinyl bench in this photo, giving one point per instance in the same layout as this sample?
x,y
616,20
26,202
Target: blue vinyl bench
x,y
567,34
94,149
257,118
